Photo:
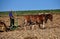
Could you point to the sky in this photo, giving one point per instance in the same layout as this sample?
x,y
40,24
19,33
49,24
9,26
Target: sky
x,y
18,5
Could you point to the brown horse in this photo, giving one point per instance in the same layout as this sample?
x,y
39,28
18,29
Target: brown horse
x,y
43,18
27,20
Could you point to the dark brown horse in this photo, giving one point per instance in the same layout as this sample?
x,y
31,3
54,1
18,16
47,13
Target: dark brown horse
x,y
48,16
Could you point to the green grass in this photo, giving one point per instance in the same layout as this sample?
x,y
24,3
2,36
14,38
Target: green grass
x,y
30,12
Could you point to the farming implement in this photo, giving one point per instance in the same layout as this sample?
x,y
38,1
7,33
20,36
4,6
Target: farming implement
x,y
15,26
13,21
3,26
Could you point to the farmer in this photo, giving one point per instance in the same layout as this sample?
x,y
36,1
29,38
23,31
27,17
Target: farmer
x,y
11,19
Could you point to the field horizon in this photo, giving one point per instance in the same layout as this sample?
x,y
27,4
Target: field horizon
x,y
30,12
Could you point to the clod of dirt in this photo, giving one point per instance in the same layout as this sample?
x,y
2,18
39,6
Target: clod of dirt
x,y
30,38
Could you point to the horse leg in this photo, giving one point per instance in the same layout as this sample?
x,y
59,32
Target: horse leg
x,y
45,20
26,23
43,24
39,25
51,19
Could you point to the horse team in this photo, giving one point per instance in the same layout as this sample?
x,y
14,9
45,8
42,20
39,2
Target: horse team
x,y
37,19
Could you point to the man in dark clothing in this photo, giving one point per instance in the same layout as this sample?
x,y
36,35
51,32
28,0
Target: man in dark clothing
x,y
11,19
